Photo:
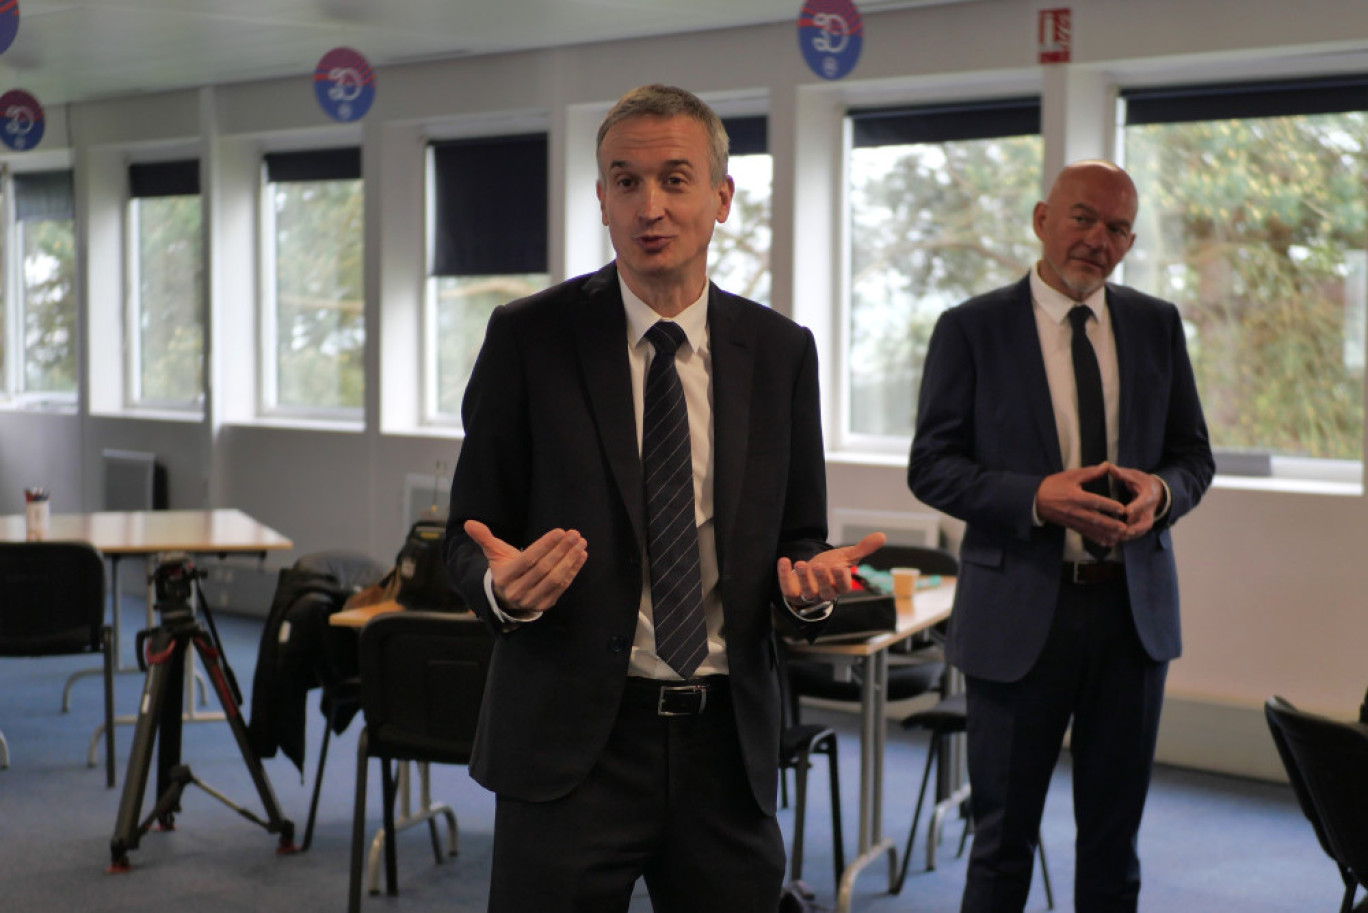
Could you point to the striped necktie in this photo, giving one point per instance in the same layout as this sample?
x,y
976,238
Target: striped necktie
x,y
672,536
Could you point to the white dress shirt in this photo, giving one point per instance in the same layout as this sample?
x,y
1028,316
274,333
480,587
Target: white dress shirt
x,y
1056,338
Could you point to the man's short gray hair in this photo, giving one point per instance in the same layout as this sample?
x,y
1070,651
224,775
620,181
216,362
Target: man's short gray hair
x,y
670,101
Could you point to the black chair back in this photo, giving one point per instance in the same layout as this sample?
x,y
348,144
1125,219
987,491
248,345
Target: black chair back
x,y
924,558
1330,761
422,682
52,598
52,603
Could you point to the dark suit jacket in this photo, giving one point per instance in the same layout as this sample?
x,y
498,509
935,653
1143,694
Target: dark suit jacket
x,y
551,442
986,438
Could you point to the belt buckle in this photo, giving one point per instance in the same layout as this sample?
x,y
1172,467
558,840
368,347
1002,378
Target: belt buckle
x,y
667,690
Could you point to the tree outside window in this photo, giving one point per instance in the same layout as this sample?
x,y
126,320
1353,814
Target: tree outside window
x,y
931,224
1256,227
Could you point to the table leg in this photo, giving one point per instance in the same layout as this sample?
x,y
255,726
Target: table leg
x,y
873,729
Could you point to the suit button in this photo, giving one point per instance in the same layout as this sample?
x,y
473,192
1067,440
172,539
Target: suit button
x,y
617,644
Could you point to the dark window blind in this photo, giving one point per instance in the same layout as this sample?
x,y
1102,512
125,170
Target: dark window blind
x,y
943,123
1226,101
314,165
43,196
490,213
164,179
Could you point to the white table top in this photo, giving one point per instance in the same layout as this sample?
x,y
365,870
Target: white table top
x,y
145,532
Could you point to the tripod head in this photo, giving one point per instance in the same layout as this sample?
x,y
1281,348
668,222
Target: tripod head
x,y
173,585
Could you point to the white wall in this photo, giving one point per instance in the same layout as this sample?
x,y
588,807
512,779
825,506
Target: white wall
x,y
1271,580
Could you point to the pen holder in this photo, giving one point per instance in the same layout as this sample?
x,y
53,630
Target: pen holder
x,y
36,514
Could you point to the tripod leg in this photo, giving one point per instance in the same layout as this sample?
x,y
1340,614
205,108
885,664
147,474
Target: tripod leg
x,y
161,652
277,823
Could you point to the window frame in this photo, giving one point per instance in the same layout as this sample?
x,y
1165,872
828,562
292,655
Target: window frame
x,y
925,121
1240,99
15,304
324,163
158,179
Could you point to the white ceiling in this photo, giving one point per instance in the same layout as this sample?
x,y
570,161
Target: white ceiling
x,y
73,50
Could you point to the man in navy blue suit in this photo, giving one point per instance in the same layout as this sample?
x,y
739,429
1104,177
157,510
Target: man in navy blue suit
x,y
1066,610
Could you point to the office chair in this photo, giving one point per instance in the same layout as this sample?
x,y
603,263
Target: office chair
x,y
422,681
798,742
1327,762
945,719
52,603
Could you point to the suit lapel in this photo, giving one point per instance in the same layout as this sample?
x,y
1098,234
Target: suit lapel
x,y
731,338
600,333
1124,336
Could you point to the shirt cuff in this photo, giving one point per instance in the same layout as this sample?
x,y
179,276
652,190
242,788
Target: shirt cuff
x,y
1167,501
508,618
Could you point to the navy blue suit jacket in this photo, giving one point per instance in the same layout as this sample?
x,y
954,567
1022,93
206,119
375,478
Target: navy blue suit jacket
x,y
551,443
986,437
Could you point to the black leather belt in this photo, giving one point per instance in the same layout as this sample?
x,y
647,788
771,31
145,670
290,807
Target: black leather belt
x,y
1086,572
689,698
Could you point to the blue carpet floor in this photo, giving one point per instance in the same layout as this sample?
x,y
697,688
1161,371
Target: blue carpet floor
x,y
1209,843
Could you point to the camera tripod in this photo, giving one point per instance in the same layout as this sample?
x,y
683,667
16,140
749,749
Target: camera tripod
x,y
165,649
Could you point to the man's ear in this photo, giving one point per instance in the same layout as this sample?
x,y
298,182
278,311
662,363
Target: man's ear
x,y
603,203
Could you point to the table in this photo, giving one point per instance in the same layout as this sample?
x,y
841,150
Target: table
x,y
146,533
917,613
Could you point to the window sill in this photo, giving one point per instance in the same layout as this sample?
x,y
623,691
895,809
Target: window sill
x,y
300,423
188,417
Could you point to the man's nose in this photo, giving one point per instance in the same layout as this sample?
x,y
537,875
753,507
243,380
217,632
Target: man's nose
x,y
652,203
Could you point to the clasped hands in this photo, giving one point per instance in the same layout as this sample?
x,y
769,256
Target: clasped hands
x,y
531,580
1062,499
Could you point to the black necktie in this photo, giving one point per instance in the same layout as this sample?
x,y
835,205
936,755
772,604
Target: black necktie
x,y
1092,414
671,536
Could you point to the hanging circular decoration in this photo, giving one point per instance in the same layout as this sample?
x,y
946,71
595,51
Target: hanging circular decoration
x,y
9,23
830,34
344,84
21,120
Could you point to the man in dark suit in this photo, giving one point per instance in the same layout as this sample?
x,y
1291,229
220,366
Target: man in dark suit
x,y
612,755
1066,608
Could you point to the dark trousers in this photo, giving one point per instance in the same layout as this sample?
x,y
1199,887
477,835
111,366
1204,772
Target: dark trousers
x,y
1094,672
668,801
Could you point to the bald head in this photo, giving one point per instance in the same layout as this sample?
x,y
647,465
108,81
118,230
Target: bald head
x,y
1085,226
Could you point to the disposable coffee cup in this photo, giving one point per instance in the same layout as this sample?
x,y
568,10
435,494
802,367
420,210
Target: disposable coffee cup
x,y
905,581
36,513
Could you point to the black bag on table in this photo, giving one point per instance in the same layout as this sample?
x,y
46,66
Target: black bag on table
x,y
423,580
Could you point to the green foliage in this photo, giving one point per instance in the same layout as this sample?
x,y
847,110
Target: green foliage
x,y
931,225
1258,229
464,304
49,306
170,327
320,324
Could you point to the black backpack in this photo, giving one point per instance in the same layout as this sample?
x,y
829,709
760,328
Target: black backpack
x,y
423,580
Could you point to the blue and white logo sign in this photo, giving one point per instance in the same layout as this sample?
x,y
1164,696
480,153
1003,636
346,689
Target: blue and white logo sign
x,y
344,84
9,23
830,34
21,120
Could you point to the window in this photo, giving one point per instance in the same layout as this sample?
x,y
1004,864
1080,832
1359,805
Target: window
x,y
488,247
41,352
1253,220
739,256
940,203
165,312
314,322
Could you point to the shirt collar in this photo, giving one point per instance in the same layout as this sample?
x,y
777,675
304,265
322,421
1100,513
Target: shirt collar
x,y
1057,304
693,320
